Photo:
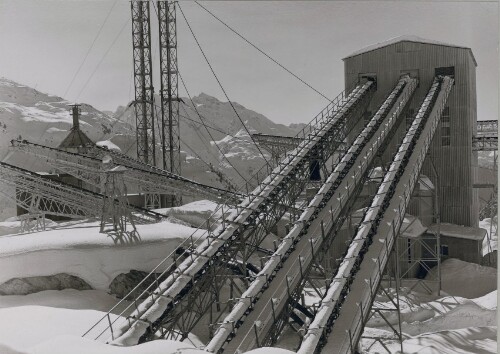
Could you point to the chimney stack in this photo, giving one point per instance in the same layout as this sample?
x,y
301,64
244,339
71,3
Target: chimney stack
x,y
75,112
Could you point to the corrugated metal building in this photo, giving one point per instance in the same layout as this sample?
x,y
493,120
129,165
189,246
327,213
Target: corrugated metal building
x,y
465,243
451,149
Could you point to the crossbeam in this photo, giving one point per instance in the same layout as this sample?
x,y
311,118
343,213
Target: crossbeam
x,y
262,207
346,307
138,176
38,194
291,265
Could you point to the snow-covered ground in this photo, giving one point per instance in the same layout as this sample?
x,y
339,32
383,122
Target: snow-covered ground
x,y
77,248
461,320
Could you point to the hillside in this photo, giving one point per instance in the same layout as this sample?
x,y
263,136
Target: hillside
x,y
43,118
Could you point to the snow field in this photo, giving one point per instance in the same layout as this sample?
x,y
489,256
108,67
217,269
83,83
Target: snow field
x,y
461,321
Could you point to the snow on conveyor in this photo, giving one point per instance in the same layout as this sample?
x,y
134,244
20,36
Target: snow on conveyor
x,y
152,308
362,151
386,216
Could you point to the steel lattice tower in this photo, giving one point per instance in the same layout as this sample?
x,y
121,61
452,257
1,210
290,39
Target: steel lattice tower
x,y
169,92
143,81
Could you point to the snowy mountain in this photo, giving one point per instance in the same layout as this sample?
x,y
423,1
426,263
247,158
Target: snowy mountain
x,y
225,134
45,119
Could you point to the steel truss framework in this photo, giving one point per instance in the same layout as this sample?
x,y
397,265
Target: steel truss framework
x,y
115,211
248,236
143,82
428,243
485,143
486,138
40,195
138,176
348,302
277,145
169,92
394,277
487,127
241,232
312,236
385,309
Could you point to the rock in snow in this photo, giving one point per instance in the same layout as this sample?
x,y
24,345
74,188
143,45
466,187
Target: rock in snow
x,y
29,285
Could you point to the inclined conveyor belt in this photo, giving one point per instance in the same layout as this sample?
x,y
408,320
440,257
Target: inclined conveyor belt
x,y
59,198
143,176
339,321
258,309
166,295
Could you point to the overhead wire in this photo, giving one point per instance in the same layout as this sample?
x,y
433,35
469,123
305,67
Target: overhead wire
x,y
220,85
102,59
157,115
209,126
262,52
90,48
206,128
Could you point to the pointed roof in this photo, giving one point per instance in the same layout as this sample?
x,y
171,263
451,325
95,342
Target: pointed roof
x,y
406,38
76,138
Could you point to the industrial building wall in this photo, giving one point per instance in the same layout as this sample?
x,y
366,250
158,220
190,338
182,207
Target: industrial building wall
x,y
453,156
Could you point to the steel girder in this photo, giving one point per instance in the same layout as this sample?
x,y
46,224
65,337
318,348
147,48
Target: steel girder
x,y
487,127
140,176
169,93
38,194
346,306
180,316
277,145
344,184
143,82
485,143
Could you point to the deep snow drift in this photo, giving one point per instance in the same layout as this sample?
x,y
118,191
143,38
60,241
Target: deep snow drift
x,y
77,248
461,320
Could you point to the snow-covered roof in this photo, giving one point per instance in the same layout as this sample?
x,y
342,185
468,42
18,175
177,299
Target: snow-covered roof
x,y
406,38
76,138
459,231
412,227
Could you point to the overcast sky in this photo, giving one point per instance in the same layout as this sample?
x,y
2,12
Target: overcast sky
x,y
44,43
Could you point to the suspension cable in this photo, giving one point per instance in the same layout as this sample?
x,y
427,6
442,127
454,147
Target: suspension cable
x,y
220,85
90,48
102,59
209,126
229,182
206,128
262,52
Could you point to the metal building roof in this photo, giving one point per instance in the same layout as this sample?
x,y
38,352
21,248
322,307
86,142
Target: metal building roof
x,y
406,38
458,231
76,138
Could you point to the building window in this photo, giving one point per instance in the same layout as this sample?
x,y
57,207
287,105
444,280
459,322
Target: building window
x,y
445,127
444,250
413,73
445,116
409,250
446,131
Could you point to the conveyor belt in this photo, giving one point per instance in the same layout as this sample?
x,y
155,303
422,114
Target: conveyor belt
x,y
151,312
139,175
267,296
35,192
346,305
